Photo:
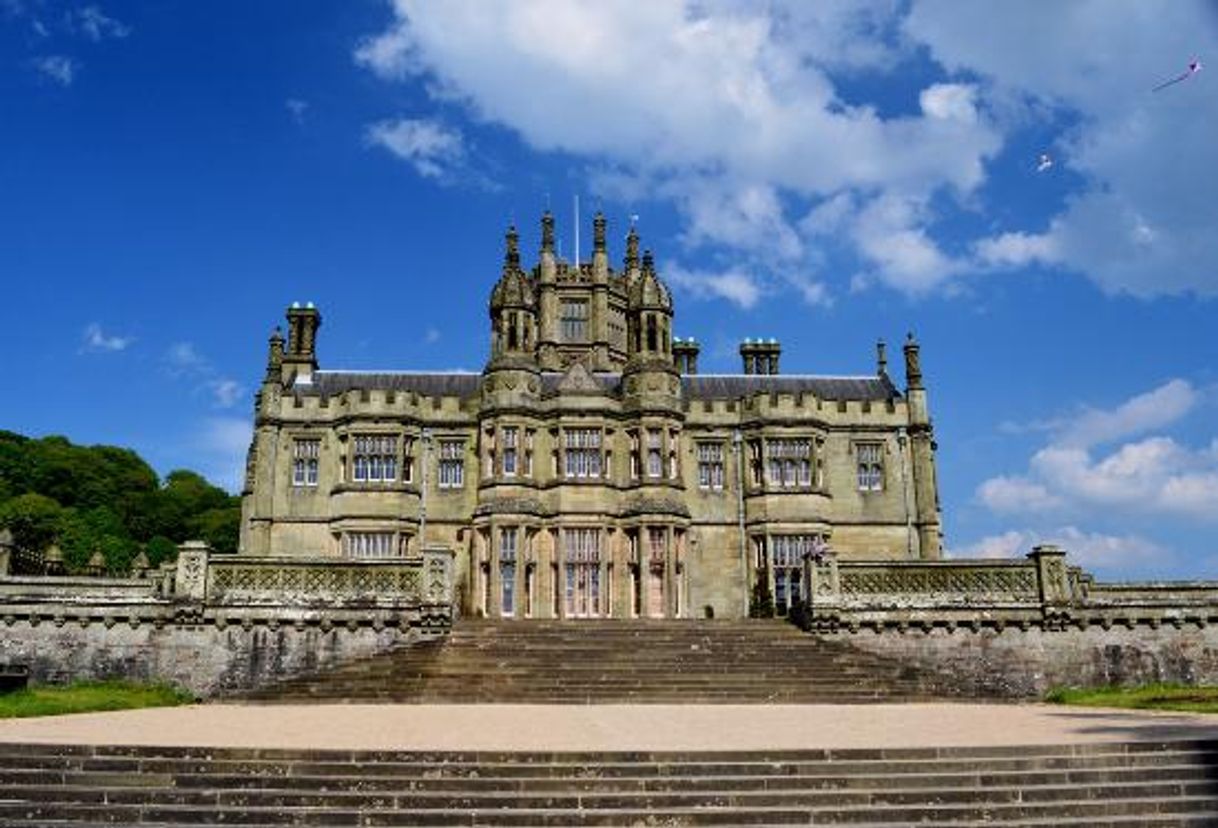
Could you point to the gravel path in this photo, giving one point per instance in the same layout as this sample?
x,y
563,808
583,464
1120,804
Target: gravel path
x,y
609,727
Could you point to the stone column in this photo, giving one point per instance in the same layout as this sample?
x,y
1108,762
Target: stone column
x,y
190,580
1051,574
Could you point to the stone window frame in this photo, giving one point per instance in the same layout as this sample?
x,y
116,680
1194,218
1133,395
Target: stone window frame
x,y
574,316
306,461
373,544
711,481
594,464
870,468
450,462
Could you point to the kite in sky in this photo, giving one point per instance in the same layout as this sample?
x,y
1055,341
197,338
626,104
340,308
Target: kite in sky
x,y
1044,163
1194,66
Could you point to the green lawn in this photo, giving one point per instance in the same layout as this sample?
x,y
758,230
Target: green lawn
x,y
1148,697
88,696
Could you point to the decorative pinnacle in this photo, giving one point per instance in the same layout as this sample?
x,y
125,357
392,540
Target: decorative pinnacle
x,y
547,232
649,263
511,258
632,249
598,232
913,367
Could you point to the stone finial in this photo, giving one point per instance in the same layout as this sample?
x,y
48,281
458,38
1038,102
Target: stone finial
x,y
547,232
52,560
511,255
649,262
140,564
97,563
913,367
274,356
881,358
632,249
598,232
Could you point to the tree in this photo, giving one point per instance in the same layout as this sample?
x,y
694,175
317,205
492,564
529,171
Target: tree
x,y
33,519
159,550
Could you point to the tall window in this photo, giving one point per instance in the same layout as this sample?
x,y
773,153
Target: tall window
x,y
582,452
655,453
374,458
509,450
870,458
305,455
452,464
789,463
528,452
787,553
575,320
674,464
710,465
369,545
635,456
581,552
407,459
507,570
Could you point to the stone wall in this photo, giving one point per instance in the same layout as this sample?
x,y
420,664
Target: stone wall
x,y
208,656
1018,663
217,624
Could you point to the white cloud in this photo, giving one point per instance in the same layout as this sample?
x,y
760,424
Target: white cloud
x,y
1142,223
226,392
97,340
297,108
183,357
1145,412
702,101
431,336
59,68
1083,548
1153,475
433,149
733,285
1017,495
740,124
96,26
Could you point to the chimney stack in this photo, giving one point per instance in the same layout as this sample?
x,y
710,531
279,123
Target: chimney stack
x,y
685,354
760,356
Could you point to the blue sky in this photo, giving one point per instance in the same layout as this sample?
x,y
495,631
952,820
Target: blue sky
x,y
172,175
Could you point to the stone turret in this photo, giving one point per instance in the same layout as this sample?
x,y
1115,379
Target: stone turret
x,y
511,373
650,373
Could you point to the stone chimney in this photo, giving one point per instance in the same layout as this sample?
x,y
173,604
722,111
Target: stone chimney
x,y
685,354
760,356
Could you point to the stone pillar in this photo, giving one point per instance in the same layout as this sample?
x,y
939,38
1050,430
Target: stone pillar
x,y
559,574
670,574
6,551
438,574
494,603
1051,574
190,579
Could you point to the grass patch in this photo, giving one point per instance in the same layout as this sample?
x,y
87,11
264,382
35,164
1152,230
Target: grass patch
x,y
89,697
1147,697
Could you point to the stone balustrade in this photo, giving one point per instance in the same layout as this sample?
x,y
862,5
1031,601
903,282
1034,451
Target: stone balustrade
x,y
1041,590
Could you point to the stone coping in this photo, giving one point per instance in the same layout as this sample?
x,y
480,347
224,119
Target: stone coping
x,y
509,727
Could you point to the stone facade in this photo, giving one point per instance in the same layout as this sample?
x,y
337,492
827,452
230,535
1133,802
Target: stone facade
x,y
589,470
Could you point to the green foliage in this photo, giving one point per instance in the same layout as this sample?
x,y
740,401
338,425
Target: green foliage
x,y
102,498
1199,699
84,697
160,549
33,519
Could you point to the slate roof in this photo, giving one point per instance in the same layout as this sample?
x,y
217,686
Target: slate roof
x,y
734,386
697,387
332,383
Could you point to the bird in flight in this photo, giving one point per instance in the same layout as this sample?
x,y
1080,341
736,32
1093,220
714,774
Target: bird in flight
x,y
1194,66
1044,162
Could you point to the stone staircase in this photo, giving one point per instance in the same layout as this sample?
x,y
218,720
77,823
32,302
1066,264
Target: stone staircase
x,y
618,662
1143,784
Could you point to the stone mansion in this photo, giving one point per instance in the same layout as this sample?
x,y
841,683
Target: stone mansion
x,y
590,470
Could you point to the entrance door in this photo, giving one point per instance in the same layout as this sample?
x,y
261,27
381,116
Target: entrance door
x,y
583,590
655,591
